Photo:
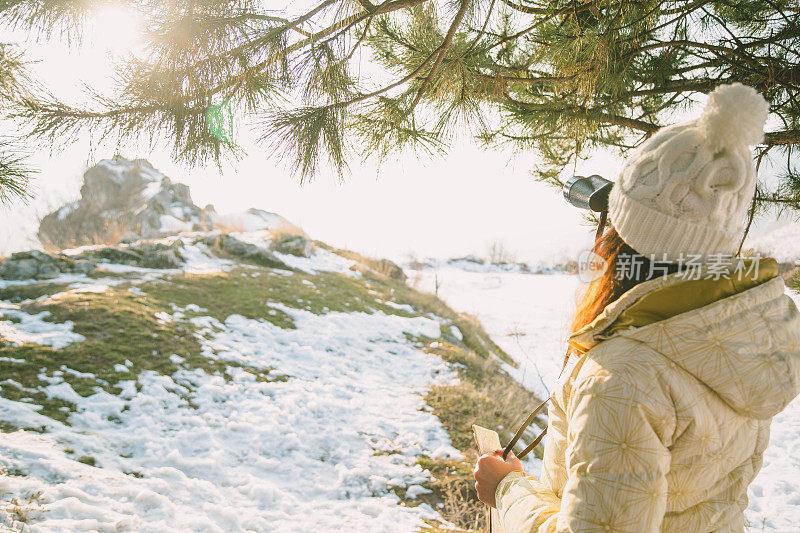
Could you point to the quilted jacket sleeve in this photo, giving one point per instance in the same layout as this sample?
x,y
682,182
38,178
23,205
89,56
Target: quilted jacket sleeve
x,y
525,504
616,465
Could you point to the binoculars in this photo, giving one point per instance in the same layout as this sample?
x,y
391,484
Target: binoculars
x,y
588,192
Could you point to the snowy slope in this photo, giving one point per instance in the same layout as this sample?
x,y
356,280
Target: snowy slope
x,y
320,450
293,456
527,315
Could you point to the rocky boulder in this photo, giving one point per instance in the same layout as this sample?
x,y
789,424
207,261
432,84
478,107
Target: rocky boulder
x,y
123,199
380,268
34,264
244,250
298,245
140,254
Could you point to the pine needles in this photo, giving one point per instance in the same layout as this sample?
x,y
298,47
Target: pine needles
x,y
14,174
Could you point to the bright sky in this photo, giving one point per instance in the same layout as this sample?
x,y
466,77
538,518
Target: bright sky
x,y
441,206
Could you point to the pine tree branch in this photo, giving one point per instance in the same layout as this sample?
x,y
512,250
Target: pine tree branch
x,y
64,112
782,138
386,88
590,5
678,86
684,8
252,44
590,114
526,9
482,31
386,7
524,79
786,76
778,199
565,73
270,18
615,120
442,50
15,175
358,42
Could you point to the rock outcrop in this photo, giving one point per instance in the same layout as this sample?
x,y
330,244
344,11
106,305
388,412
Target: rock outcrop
x,y
123,200
126,200
298,245
244,250
130,214
34,264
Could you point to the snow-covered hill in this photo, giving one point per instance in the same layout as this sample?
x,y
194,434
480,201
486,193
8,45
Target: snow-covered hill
x,y
287,435
235,377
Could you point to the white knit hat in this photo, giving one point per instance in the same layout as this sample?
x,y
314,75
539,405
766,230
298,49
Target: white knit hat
x,y
686,190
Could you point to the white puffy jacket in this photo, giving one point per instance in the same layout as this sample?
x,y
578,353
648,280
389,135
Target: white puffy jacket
x,y
661,424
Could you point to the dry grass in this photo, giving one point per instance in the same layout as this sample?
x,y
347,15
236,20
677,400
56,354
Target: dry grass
x,y
454,496
287,230
460,504
485,396
381,269
229,227
17,510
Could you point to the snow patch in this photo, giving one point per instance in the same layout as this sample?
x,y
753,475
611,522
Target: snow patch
x,y
320,261
527,315
203,453
416,490
32,329
66,210
172,224
199,260
783,243
151,189
400,307
250,220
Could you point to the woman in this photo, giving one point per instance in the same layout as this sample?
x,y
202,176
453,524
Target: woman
x,y
661,422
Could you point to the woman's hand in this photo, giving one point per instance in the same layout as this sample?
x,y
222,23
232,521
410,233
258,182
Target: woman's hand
x,y
490,470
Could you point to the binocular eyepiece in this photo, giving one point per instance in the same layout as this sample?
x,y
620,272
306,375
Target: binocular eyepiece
x,y
588,192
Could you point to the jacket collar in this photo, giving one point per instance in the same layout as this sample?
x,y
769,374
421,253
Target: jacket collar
x,y
601,327
744,347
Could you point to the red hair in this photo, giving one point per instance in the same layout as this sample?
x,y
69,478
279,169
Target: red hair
x,y
610,286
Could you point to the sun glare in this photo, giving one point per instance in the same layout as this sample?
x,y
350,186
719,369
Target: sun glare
x,y
116,30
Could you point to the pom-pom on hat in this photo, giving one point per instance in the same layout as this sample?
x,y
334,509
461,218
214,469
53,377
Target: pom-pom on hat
x,y
686,190
734,115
